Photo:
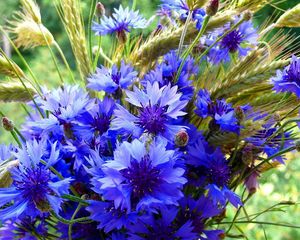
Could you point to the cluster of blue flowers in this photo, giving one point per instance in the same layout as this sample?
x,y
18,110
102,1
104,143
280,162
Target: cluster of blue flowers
x,y
133,164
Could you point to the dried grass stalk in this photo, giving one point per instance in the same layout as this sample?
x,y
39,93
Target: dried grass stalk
x,y
290,18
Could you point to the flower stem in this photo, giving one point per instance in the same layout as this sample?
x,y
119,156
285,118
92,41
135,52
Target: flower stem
x,y
189,17
64,60
189,50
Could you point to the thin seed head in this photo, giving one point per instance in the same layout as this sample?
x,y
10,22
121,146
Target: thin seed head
x,y
10,68
31,9
290,18
29,34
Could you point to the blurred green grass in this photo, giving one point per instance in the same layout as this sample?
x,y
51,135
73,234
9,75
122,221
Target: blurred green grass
x,y
275,186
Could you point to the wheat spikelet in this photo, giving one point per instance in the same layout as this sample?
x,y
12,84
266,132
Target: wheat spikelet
x,y
290,18
257,75
70,13
252,5
27,27
194,4
10,68
168,40
31,9
14,92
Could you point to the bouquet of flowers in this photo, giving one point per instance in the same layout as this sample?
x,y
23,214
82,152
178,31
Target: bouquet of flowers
x,y
156,137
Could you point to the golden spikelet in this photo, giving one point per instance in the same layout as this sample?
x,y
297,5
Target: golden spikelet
x,y
168,40
290,18
10,68
27,27
194,4
15,92
252,5
31,9
71,16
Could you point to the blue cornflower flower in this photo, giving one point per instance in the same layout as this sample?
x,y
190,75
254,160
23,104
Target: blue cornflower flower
x,y
157,107
162,226
223,113
34,190
288,80
271,146
198,211
64,105
237,40
181,8
165,73
216,170
122,21
109,217
112,80
138,178
96,121
26,229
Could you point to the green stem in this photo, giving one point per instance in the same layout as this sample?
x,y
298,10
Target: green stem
x,y
52,56
270,158
67,222
91,16
189,17
237,214
189,50
72,219
97,53
64,60
75,199
264,223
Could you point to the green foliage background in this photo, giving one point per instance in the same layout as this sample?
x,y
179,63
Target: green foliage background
x,y
275,186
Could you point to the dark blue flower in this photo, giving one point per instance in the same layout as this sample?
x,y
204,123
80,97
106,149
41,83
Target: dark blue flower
x,y
111,80
269,142
223,114
215,169
96,121
288,80
157,107
35,190
26,229
63,105
181,9
162,226
109,217
138,178
121,21
197,212
237,41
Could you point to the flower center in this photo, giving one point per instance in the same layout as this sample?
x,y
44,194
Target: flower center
x,y
219,174
101,123
116,77
142,177
153,119
34,184
232,41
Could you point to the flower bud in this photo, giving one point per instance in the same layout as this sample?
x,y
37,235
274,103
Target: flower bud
x,y
247,15
7,124
251,182
121,35
181,138
212,8
100,10
297,145
239,113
